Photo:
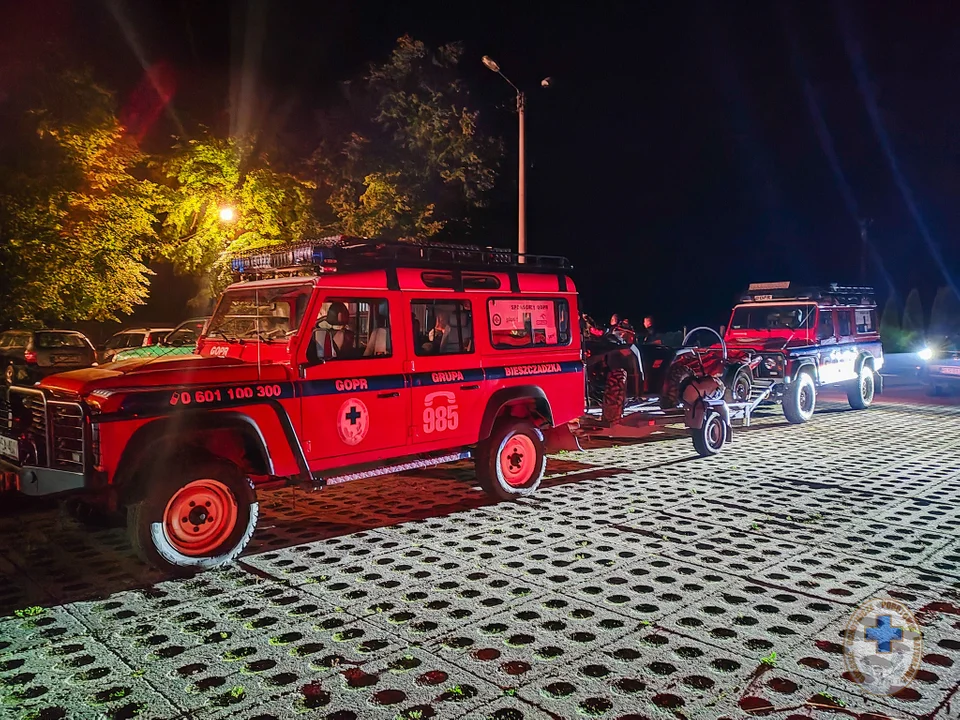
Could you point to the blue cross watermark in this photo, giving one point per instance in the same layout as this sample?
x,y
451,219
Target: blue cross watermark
x,y
884,633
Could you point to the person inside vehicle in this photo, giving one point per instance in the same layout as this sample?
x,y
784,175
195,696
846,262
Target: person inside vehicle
x,y
439,338
333,338
379,342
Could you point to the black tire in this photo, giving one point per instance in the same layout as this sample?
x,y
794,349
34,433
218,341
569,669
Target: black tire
x,y
615,395
860,394
709,439
739,386
520,438
153,537
677,377
800,399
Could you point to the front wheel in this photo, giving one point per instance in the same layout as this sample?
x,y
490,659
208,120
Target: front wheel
x,y
800,399
511,462
740,386
860,395
615,395
199,518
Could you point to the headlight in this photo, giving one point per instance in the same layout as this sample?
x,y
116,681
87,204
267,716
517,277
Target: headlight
x,y
925,354
770,363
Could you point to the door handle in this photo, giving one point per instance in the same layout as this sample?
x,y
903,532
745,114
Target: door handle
x,y
388,394
469,387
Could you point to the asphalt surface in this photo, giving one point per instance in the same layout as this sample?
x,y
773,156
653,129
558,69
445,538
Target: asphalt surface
x,y
641,582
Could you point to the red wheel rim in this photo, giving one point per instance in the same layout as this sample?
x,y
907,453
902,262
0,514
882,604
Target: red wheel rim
x,y
518,459
200,517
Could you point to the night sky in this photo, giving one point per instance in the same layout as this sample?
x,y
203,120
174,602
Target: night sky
x,y
685,150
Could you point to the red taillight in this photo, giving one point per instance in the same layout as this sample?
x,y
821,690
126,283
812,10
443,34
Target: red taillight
x,y
30,356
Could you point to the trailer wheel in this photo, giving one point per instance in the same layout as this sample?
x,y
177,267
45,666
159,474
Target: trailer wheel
x,y
709,438
800,399
511,462
860,394
198,518
615,395
677,377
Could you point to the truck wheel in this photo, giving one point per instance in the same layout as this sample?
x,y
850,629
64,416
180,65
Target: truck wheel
x,y
740,386
200,518
615,395
860,394
800,400
710,437
511,462
677,376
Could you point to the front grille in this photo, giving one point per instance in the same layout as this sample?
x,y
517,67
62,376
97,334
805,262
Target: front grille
x,y
49,432
67,437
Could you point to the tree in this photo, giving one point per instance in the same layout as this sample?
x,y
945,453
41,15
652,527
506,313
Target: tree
x,y
76,215
404,156
208,175
913,322
945,313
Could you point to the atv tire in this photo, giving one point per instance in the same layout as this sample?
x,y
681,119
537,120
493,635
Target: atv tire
x,y
677,377
739,386
615,395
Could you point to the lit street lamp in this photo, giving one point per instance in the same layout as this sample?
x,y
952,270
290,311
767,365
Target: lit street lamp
x,y
522,176
227,214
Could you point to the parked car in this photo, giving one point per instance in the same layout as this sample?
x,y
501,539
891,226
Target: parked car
x,y
30,355
132,338
940,364
182,340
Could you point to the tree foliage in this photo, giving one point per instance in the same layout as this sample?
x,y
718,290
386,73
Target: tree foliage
x,y
204,176
76,214
945,312
404,155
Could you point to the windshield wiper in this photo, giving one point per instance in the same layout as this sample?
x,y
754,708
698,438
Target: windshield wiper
x,y
222,334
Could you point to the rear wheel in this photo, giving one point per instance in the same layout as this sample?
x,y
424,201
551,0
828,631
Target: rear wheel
x,y
860,394
615,395
710,437
200,517
511,462
800,399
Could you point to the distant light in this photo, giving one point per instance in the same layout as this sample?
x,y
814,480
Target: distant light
x,y
227,214
925,354
489,62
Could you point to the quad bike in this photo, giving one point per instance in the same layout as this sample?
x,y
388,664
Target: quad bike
x,y
736,369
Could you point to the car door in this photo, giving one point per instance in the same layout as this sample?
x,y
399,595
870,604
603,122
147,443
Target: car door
x,y
447,378
354,400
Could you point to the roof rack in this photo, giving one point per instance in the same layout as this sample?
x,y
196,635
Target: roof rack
x,y
834,293
343,253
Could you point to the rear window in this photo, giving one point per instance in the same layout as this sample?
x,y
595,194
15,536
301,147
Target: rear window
x,y
523,322
14,340
866,321
58,340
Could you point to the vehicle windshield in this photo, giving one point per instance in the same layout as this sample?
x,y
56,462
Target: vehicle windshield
x,y
772,317
58,340
270,314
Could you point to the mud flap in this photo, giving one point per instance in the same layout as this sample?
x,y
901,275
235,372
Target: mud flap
x,y
560,438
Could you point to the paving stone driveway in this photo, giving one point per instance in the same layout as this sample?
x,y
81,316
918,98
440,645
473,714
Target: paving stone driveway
x,y
641,582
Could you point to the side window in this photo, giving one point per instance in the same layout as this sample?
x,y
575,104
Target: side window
x,y
866,321
518,323
442,327
844,327
115,342
350,328
825,325
134,340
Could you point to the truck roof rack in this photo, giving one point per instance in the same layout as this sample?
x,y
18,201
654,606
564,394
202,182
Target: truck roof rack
x,y
343,253
834,293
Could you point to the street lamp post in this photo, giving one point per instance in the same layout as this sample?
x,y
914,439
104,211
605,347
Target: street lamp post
x,y
490,64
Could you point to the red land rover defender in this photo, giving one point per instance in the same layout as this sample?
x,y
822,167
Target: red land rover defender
x,y
328,361
784,342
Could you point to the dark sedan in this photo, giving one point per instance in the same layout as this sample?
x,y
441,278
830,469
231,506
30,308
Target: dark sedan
x,y
30,355
940,366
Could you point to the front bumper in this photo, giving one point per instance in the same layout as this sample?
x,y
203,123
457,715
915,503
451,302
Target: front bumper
x,y
934,376
38,481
